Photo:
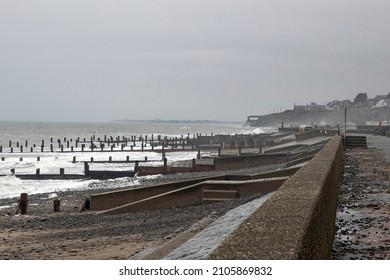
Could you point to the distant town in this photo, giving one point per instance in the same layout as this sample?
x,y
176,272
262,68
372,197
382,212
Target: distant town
x,y
361,111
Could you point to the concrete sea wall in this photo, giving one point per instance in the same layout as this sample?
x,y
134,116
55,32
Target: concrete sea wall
x,y
297,221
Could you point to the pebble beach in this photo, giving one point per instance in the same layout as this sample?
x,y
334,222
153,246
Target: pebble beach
x,y
68,234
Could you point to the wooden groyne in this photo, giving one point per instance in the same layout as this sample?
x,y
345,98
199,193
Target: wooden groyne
x,y
87,174
224,152
152,143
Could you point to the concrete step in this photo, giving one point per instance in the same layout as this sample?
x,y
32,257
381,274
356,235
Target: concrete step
x,y
220,194
356,141
213,196
215,200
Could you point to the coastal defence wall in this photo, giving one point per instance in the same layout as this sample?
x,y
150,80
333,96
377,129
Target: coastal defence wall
x,y
112,199
247,161
297,221
195,194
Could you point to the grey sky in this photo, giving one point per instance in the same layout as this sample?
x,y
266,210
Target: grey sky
x,y
95,60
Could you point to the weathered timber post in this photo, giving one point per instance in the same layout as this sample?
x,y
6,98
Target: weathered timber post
x,y
91,159
86,169
86,205
26,144
21,149
31,149
37,172
136,166
3,159
1,149
56,205
12,150
193,163
198,156
110,158
22,204
21,159
62,148
127,158
10,144
62,173
42,148
219,152
74,159
165,165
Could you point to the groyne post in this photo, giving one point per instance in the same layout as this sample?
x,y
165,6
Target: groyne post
x,y
86,169
56,205
22,204
165,165
62,173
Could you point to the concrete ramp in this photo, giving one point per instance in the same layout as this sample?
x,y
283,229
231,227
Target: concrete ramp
x,y
194,194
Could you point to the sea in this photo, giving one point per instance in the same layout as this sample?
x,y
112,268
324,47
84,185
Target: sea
x,y
33,134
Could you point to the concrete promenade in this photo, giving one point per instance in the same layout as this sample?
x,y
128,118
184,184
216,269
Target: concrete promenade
x,y
382,143
363,216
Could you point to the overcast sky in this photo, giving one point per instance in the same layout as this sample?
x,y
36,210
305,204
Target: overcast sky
x,y
98,60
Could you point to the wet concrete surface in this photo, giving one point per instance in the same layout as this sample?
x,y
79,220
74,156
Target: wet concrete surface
x,y
363,219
